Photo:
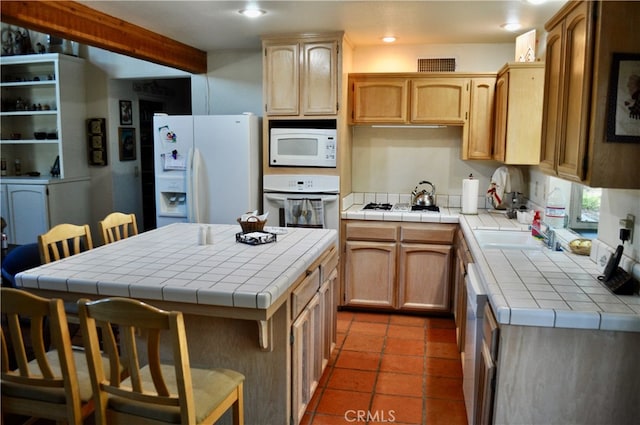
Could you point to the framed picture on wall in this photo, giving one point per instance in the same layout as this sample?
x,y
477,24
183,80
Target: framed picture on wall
x,y
97,141
126,112
623,102
127,143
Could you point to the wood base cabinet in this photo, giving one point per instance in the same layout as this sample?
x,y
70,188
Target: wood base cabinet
x,y
395,266
313,331
577,145
32,209
422,270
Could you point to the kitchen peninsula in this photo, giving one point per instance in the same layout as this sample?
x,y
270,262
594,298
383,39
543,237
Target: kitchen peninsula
x,y
242,303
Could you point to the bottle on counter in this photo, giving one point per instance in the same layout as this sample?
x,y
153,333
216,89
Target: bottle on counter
x,y
554,213
535,225
3,167
17,167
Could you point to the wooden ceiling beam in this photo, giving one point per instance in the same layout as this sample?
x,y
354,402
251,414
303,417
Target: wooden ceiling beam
x,y
74,21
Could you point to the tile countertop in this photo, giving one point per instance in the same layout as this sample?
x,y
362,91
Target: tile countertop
x,y
531,287
168,264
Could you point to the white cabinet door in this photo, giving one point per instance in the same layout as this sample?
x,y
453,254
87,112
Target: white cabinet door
x,y
28,212
4,211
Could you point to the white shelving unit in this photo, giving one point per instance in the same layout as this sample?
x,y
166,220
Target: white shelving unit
x,y
43,94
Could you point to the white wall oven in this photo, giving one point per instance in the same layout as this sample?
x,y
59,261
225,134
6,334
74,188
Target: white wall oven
x,y
302,200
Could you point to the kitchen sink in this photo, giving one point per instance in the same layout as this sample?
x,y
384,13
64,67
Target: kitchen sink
x,y
506,239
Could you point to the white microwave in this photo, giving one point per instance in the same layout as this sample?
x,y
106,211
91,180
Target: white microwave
x,y
302,147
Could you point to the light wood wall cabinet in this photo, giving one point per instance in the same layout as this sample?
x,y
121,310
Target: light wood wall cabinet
x,y
582,39
439,100
457,99
398,266
478,134
379,100
301,76
518,113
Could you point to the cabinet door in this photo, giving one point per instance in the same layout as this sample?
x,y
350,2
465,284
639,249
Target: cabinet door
x,y
28,212
479,130
486,379
424,277
502,104
282,79
304,357
439,100
575,95
551,117
370,273
379,100
319,78
460,311
4,211
328,297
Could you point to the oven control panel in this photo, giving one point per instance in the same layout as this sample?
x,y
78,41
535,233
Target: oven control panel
x,y
301,183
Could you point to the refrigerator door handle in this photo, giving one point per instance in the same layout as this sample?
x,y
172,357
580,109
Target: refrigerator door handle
x,y
190,175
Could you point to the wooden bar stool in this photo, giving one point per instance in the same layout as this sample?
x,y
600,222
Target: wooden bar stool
x,y
155,393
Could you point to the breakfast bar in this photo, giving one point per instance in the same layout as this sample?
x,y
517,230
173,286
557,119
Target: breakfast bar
x,y
241,302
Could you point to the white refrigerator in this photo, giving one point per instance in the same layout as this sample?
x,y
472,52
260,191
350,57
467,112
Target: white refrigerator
x,y
207,167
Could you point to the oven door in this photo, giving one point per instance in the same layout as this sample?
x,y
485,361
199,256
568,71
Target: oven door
x,y
274,204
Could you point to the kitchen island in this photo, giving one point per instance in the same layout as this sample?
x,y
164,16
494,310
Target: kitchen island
x,y
566,350
241,302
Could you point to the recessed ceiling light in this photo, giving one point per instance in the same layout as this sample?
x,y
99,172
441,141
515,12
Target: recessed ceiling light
x,y
252,13
511,26
389,39
536,2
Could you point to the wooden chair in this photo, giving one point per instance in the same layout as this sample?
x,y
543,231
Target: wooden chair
x,y
118,226
64,240
54,385
156,393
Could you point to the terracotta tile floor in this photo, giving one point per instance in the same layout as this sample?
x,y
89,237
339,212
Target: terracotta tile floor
x,y
389,368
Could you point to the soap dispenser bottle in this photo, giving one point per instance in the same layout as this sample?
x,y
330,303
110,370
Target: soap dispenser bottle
x,y
535,225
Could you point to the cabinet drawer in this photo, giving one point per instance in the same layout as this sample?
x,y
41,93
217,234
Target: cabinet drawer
x,y
329,263
303,293
372,232
428,233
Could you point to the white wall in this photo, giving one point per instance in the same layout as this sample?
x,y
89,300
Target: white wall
x,y
394,160
469,57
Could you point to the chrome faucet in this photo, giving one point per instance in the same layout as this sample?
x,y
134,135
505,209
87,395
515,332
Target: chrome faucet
x,y
548,235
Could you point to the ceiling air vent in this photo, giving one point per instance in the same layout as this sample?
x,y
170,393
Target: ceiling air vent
x,y
436,64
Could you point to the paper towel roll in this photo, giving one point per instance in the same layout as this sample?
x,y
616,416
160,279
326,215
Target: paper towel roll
x,y
470,195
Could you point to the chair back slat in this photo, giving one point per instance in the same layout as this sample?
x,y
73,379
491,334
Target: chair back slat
x,y
57,239
117,226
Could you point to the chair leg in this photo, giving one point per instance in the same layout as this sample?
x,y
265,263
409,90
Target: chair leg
x,y
238,407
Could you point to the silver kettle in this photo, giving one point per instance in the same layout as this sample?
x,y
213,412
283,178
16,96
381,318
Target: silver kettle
x,y
422,197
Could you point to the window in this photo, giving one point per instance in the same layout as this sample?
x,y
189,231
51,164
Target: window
x,y
585,207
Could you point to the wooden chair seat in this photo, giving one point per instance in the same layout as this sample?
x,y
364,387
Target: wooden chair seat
x,y
158,392
117,226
